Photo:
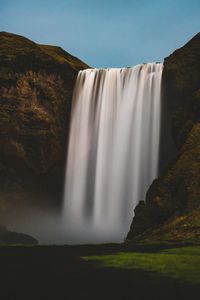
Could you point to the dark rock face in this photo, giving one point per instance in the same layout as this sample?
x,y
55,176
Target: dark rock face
x,y
12,238
36,84
171,211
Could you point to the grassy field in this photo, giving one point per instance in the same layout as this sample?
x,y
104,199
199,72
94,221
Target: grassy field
x,y
99,272
179,263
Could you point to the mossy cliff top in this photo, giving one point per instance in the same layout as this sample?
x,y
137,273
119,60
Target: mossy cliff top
x,y
14,47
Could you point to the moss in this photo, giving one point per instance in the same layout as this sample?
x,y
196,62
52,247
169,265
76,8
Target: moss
x,y
182,68
63,57
36,84
179,263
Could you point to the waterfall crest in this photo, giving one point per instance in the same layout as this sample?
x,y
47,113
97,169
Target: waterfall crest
x,y
113,149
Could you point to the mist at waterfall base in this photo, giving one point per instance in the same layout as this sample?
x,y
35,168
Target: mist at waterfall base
x,y
113,150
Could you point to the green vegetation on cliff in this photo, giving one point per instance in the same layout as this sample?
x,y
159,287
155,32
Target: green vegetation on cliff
x,y
182,264
36,84
171,212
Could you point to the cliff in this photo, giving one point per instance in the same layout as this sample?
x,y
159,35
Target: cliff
x,y
171,212
36,84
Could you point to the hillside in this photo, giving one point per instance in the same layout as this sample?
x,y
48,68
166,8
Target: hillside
x,y
171,212
36,84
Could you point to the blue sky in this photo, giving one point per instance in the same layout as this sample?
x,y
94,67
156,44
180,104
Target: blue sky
x,y
105,33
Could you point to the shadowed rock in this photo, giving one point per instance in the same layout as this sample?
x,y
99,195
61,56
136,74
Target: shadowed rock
x,y
9,237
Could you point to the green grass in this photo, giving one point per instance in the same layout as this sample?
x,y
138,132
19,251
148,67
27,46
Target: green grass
x,y
180,263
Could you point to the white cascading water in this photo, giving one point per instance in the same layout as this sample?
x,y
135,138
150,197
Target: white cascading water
x,y
113,150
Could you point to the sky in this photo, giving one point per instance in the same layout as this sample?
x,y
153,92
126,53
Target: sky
x,y
105,33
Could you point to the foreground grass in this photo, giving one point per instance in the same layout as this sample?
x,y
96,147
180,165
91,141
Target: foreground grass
x,y
180,263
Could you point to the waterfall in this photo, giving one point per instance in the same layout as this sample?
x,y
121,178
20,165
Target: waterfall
x,y
113,150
